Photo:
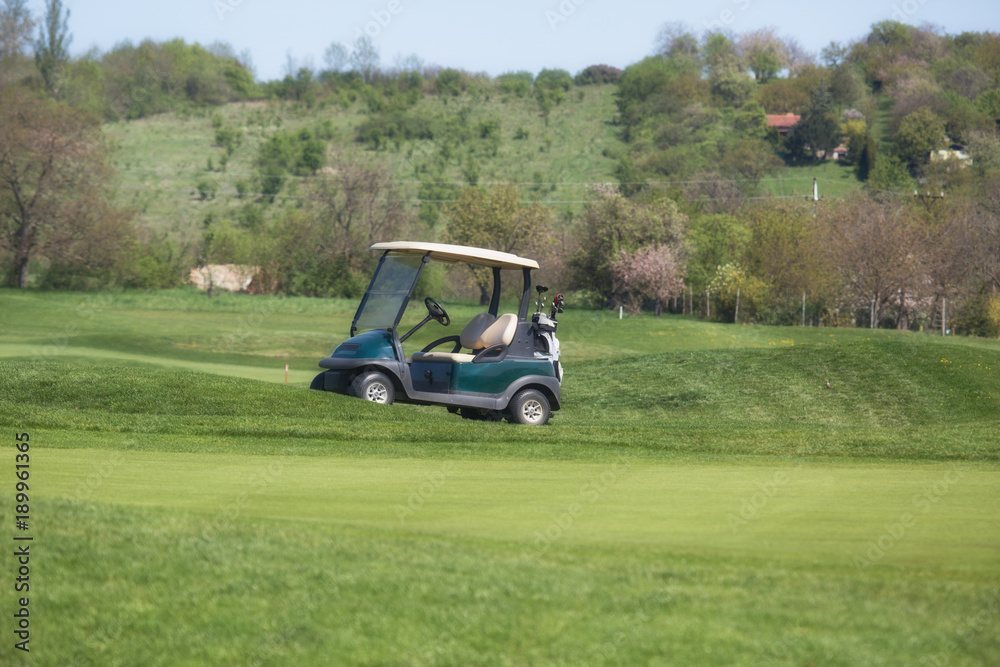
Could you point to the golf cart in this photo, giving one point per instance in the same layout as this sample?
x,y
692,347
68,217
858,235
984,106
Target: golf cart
x,y
501,365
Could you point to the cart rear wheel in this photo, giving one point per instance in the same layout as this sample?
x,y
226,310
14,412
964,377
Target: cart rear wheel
x,y
529,407
374,387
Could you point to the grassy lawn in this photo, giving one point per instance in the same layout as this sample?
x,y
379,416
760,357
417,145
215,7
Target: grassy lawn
x,y
835,179
702,498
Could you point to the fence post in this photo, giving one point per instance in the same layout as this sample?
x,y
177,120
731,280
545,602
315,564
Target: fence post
x,y
736,318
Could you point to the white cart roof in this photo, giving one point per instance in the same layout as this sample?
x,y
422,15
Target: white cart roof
x,y
459,254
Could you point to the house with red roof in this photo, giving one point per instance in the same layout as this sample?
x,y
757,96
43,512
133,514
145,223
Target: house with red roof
x,y
783,122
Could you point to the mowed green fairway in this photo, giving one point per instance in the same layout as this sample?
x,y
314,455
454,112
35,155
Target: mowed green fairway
x,y
702,498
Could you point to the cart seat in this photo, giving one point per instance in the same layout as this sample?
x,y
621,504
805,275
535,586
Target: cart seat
x,y
483,331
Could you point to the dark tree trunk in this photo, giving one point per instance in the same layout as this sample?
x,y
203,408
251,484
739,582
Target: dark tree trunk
x,y
22,272
23,255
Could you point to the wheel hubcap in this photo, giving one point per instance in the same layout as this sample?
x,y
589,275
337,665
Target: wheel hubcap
x,y
376,392
532,411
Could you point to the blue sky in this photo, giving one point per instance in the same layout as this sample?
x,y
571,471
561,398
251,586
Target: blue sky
x,y
494,37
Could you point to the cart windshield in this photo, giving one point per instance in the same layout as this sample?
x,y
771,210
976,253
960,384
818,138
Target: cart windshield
x,y
388,293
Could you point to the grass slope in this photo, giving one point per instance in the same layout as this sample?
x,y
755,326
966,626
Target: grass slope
x,y
702,498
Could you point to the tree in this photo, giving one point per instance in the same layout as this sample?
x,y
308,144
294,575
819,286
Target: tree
x,y
919,133
336,57
653,272
675,40
554,79
727,71
597,74
712,241
833,54
874,245
53,179
360,205
817,130
889,174
16,26
613,224
515,83
750,160
785,251
734,291
764,52
496,219
866,157
365,58
449,82
52,46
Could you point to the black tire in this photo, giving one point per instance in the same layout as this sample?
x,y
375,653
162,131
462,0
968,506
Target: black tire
x,y
319,382
374,387
529,407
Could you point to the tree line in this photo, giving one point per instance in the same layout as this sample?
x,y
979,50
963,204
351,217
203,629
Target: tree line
x,y
684,230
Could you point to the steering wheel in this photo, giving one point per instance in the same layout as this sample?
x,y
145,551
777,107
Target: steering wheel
x,y
435,310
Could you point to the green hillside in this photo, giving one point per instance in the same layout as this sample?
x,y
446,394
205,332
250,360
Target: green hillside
x,y
162,158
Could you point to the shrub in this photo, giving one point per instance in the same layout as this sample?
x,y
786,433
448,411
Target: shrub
x,y
207,189
450,82
515,83
554,79
597,74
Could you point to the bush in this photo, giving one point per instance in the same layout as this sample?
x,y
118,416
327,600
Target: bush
x,y
554,79
383,129
207,189
515,83
597,74
228,138
980,315
450,82
489,129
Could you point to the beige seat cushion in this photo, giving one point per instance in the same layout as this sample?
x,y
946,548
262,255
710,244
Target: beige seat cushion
x,y
481,332
474,329
500,332
455,357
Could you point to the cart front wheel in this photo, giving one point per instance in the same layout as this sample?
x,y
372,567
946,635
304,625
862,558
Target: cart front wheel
x,y
374,387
